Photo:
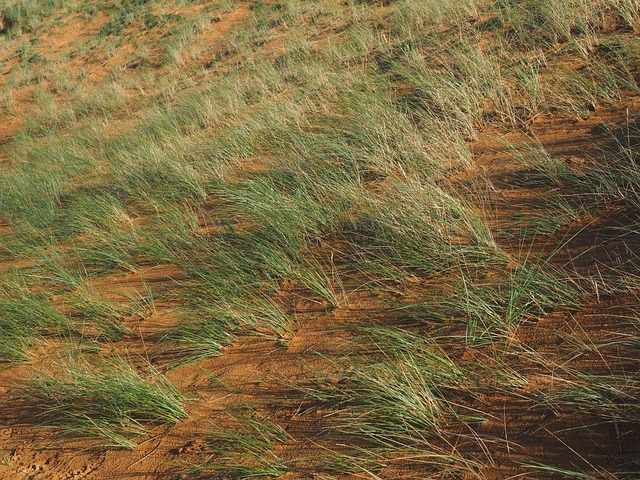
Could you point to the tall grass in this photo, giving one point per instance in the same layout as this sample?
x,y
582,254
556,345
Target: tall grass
x,y
24,16
532,23
107,401
323,141
396,398
434,230
244,452
25,317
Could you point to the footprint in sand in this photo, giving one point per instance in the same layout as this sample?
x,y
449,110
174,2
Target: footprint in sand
x,y
190,447
76,474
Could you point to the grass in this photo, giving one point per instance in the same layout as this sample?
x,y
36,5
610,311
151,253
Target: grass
x,y
24,16
395,398
244,453
317,157
99,317
199,338
434,232
555,470
26,316
106,400
545,170
616,179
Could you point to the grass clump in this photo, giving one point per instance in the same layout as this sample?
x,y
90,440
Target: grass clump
x,y
543,169
398,398
532,24
243,453
24,16
434,231
107,400
25,316
525,292
616,174
199,336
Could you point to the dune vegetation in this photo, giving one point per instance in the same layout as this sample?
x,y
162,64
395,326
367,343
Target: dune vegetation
x,y
320,239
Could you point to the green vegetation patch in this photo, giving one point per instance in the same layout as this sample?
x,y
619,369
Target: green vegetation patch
x,y
106,399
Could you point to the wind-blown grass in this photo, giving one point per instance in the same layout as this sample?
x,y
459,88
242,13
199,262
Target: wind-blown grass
x,y
244,453
21,16
106,400
317,142
397,399
25,316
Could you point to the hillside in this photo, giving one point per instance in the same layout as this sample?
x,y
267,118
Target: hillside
x,y
319,239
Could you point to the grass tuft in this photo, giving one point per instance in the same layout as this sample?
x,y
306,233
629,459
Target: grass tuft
x,y
106,400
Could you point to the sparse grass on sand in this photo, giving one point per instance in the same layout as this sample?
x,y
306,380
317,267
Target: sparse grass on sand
x,y
446,193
